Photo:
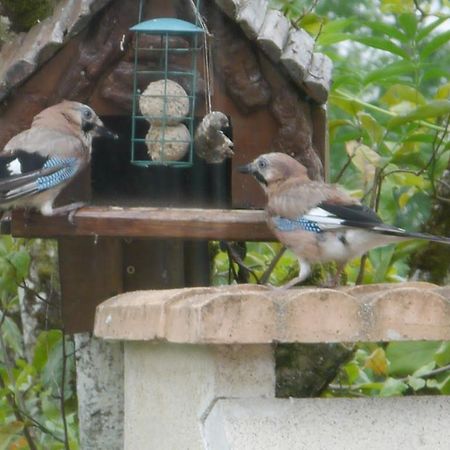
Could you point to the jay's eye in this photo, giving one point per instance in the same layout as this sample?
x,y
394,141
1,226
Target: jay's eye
x,y
262,164
87,114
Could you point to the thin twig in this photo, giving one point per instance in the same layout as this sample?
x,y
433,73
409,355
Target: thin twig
x,y
266,275
306,11
418,7
443,199
234,257
39,425
343,169
347,389
444,184
362,268
352,387
24,285
374,203
432,373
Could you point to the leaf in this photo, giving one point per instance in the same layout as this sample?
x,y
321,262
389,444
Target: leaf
x,y
332,38
336,124
397,6
45,343
435,43
443,92
435,108
349,106
389,30
12,335
409,24
391,70
424,369
401,92
425,31
381,44
407,357
443,386
312,23
377,362
352,371
10,432
381,260
442,355
24,379
407,180
416,383
409,153
420,137
364,159
21,262
393,387
371,125
335,25
435,73
347,80
404,198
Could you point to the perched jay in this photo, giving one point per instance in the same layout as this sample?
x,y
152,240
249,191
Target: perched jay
x,y
38,163
211,144
319,222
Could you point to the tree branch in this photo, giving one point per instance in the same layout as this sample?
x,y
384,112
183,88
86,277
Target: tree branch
x,y
266,275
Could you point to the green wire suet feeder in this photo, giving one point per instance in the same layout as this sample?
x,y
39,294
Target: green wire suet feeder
x,y
164,91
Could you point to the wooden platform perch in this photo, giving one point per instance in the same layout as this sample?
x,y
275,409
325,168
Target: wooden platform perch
x,y
185,223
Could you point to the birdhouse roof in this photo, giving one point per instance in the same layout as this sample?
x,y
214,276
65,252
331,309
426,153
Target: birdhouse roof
x,y
272,32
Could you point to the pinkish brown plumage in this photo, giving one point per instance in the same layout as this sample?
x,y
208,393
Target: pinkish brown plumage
x,y
38,163
319,222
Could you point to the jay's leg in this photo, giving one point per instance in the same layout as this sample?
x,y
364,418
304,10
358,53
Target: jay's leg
x,y
335,280
71,208
339,271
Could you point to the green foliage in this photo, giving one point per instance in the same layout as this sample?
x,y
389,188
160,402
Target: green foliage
x,y
258,258
389,112
398,368
31,392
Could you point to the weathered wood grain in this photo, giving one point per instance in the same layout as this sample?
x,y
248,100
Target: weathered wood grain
x,y
185,223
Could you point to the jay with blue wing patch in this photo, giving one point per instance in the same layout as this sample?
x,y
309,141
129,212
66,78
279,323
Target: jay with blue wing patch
x,y
38,163
319,222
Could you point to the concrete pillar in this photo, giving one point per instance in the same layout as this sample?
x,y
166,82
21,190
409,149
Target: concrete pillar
x,y
200,373
100,392
171,388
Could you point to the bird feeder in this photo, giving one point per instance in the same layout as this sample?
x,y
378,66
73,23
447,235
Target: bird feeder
x,y
164,91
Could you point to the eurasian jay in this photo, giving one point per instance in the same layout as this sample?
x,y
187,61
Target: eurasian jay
x,y
211,143
38,163
319,222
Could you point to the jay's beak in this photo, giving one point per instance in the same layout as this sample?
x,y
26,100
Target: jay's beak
x,y
247,169
102,131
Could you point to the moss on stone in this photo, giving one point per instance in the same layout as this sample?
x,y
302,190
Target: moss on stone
x,y
305,370
23,14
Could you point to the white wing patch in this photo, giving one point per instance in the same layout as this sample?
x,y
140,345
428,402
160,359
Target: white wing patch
x,y
14,167
325,219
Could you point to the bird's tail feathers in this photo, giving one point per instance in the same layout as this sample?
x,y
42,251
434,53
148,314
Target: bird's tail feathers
x,y
399,232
